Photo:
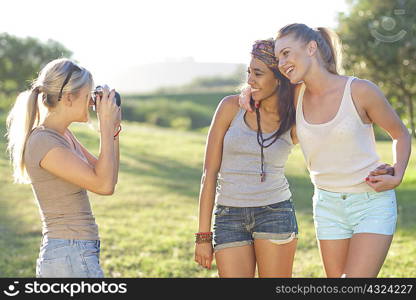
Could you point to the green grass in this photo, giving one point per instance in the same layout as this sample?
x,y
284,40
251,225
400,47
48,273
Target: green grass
x,y
147,226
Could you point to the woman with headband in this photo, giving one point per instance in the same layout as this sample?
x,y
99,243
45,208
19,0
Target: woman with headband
x,y
243,173
354,206
46,154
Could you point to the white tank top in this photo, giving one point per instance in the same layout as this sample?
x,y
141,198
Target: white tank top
x,y
340,153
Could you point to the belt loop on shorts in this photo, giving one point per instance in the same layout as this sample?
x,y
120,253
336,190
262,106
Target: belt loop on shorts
x,y
367,196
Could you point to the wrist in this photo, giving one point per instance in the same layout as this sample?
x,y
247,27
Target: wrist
x,y
203,237
106,130
117,131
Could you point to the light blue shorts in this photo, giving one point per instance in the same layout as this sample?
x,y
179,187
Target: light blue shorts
x,y
69,258
340,215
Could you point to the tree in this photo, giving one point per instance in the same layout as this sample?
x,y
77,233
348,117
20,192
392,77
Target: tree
x,y
379,44
22,58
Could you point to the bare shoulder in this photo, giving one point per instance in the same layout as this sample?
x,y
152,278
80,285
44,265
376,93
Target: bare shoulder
x,y
363,88
226,111
229,105
231,102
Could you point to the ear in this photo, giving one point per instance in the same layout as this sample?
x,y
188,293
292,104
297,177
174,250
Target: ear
x,y
312,47
68,98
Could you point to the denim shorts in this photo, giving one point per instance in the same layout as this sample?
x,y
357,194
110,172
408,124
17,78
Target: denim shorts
x,y
340,215
69,258
239,226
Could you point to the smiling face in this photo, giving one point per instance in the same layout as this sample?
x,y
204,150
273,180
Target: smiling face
x,y
295,58
261,78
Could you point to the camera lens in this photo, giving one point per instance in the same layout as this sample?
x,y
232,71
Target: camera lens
x,y
118,99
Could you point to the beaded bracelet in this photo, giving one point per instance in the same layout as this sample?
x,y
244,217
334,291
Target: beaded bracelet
x,y
203,237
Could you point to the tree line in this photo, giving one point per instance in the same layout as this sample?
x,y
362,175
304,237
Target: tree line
x,y
379,44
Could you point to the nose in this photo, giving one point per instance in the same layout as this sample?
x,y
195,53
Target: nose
x,y
91,102
250,80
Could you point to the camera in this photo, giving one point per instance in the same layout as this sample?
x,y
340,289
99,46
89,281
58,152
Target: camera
x,y
98,92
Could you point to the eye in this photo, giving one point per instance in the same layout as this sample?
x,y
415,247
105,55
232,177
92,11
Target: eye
x,y
286,52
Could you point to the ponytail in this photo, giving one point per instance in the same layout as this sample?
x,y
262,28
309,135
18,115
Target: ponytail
x,y
330,49
22,118
24,115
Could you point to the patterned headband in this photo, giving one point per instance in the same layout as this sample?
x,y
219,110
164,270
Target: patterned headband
x,y
264,50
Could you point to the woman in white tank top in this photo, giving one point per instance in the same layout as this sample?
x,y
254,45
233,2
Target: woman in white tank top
x,y
354,201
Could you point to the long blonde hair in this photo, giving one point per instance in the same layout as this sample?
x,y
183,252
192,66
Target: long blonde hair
x,y
329,44
25,114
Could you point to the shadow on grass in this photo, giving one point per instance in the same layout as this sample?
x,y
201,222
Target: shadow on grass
x,y
169,175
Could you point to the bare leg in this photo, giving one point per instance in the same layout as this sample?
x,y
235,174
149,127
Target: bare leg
x,y
236,261
274,260
366,254
334,255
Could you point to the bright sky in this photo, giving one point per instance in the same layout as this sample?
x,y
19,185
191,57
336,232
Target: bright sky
x,y
107,34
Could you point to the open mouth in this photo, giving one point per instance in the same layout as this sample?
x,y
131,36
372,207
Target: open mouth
x,y
289,70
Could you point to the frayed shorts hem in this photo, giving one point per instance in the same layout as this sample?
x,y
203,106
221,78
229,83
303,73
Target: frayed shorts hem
x,y
232,244
277,238
325,237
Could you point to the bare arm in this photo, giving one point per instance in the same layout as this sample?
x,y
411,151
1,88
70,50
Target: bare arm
x,y
381,113
100,177
68,166
213,155
224,114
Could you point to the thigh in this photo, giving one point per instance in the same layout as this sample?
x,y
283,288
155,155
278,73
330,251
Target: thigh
x,y
334,256
274,260
366,254
236,262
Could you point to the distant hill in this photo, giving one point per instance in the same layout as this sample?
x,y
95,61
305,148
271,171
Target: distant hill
x,y
148,77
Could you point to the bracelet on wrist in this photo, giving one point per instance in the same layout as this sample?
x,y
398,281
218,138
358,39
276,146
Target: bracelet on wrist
x,y
203,237
118,131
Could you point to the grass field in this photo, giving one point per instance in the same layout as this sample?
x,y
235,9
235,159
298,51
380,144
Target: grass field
x,y
147,226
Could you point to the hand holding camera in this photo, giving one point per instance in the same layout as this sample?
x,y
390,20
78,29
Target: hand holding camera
x,y
107,104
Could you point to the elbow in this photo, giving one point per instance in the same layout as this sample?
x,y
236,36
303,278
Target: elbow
x,y
106,191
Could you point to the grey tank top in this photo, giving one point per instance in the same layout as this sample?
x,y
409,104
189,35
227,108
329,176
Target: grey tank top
x,y
238,182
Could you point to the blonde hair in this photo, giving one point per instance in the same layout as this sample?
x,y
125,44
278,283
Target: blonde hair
x,y
328,42
25,115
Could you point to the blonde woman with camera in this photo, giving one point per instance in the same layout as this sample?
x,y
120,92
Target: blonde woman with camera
x,y
47,155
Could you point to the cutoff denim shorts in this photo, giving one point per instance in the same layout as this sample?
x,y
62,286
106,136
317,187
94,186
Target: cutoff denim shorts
x,y
340,215
69,258
239,226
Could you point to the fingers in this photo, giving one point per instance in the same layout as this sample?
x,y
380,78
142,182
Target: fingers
x,y
203,261
244,99
379,172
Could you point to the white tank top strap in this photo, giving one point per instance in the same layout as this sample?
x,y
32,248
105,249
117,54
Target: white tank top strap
x,y
300,96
